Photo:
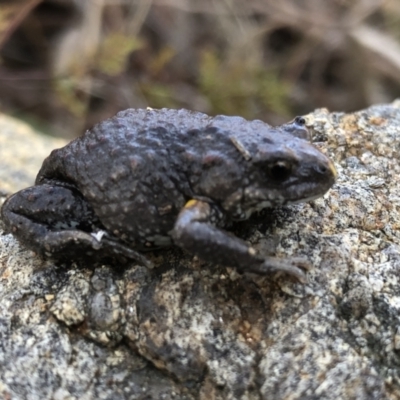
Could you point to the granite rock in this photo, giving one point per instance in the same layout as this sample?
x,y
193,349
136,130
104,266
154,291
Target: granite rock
x,y
188,330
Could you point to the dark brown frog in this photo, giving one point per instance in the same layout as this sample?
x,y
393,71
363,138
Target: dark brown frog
x,y
146,179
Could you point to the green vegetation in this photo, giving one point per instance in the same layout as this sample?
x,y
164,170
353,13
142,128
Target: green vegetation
x,y
70,64
240,87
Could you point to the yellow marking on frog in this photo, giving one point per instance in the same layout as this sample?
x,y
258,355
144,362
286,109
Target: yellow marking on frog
x,y
333,169
190,203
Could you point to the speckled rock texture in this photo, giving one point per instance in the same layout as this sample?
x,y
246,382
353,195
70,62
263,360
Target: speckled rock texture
x,y
188,330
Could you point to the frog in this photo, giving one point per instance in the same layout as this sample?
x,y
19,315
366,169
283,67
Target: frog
x,y
148,179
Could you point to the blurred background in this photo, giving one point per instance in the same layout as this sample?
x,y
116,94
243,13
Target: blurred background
x,y
67,64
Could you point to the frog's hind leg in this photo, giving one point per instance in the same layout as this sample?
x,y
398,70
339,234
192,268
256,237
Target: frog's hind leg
x,y
56,222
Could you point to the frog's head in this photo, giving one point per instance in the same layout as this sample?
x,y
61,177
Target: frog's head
x,y
282,168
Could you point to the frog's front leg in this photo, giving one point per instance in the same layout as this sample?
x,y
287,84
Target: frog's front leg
x,y
196,231
56,222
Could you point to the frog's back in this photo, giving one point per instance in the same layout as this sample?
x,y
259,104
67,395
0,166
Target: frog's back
x,y
145,119
129,168
141,151
103,150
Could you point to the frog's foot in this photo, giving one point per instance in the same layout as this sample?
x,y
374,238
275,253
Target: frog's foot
x,y
78,245
125,251
295,266
196,232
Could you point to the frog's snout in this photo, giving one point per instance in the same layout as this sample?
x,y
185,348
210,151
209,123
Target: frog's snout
x,y
327,169
332,169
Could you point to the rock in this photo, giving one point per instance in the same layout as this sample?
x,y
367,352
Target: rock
x,y
22,151
188,330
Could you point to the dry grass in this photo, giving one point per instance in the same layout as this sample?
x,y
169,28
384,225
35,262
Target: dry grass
x,y
67,64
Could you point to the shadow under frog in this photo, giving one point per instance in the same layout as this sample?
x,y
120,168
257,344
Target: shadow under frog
x,y
147,179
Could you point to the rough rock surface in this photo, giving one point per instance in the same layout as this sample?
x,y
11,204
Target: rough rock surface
x,y
187,330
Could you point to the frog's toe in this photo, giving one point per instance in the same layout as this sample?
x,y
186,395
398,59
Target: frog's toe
x,y
293,266
300,262
119,249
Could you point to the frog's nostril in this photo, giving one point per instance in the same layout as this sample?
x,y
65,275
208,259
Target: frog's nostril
x,y
326,170
321,169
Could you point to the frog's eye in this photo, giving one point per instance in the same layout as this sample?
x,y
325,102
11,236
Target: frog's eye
x,y
279,171
297,128
300,121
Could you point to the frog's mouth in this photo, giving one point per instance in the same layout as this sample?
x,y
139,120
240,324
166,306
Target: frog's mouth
x,y
256,199
307,199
